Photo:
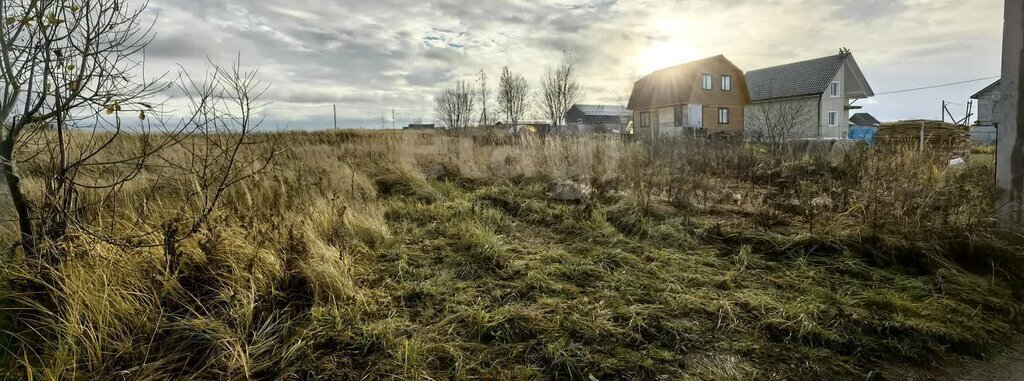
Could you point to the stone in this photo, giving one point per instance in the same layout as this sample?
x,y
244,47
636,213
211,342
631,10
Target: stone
x,y
568,191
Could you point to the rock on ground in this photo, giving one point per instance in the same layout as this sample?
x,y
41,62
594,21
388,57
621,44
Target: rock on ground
x,y
568,191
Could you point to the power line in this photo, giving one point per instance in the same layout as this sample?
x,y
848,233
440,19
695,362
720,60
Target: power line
x,y
936,86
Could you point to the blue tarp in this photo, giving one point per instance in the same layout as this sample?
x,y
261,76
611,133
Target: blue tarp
x,y
865,134
984,135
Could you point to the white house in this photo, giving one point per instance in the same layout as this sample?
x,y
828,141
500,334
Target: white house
x,y
818,94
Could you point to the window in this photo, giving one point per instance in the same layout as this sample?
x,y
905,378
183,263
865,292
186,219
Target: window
x,y
723,115
834,89
833,119
645,119
726,83
678,116
706,83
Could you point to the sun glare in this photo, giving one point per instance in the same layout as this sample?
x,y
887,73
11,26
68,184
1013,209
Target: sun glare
x,y
662,54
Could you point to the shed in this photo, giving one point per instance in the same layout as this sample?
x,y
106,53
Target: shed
x,y
597,118
987,100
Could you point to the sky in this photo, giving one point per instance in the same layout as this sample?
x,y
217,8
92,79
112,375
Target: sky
x,y
372,57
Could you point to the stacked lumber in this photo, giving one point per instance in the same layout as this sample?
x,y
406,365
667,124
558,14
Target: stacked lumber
x,y
939,136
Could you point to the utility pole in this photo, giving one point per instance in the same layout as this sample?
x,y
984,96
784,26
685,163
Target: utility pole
x,y
943,111
335,117
1010,118
392,119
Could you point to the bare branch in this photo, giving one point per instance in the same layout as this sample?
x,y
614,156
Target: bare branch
x,y
513,96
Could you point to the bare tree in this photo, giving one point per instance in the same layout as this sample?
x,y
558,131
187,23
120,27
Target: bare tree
x,y
560,90
483,92
513,96
454,106
774,122
77,98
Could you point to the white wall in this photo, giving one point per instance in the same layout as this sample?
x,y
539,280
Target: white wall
x,y
838,105
754,116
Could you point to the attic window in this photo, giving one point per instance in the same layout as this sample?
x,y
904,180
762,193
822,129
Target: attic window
x,y
834,89
706,83
726,83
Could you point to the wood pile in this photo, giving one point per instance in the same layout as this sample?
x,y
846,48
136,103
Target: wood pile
x,y
939,136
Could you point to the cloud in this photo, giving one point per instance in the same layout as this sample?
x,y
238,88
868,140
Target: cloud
x,y
383,55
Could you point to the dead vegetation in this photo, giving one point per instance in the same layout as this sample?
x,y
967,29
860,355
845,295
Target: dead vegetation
x,y
424,256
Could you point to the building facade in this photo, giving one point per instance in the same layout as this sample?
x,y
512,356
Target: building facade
x,y
987,99
807,99
703,97
597,118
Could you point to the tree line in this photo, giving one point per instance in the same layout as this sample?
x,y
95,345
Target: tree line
x,y
463,104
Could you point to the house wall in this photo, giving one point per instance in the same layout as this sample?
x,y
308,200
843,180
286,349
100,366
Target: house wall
x,y
804,110
838,105
736,119
987,106
662,115
662,122
639,129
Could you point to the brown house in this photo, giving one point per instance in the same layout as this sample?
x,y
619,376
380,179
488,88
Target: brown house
x,y
703,96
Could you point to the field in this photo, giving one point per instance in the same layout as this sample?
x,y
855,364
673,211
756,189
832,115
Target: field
x,y
366,255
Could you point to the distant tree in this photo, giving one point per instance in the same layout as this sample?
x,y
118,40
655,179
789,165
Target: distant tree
x,y
483,92
774,122
513,96
454,106
560,90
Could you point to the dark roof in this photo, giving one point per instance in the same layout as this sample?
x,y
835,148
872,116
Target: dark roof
x,y
985,90
669,86
864,119
797,79
601,110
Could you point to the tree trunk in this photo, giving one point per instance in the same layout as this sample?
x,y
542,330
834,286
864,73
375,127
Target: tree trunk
x,y
21,205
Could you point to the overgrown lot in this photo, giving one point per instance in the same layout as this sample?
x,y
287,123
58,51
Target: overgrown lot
x,y
425,256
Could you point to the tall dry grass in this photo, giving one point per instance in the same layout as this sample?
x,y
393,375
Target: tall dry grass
x,y
311,268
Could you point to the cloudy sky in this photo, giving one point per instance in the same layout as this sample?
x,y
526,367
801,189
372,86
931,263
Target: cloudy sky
x,y
372,57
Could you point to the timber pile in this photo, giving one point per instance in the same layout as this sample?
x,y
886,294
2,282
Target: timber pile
x,y
938,136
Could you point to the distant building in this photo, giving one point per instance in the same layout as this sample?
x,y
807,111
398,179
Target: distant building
x,y
863,119
984,130
597,118
987,99
863,127
705,96
417,126
822,90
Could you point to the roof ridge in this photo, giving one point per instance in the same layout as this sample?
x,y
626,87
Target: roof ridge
x,y
842,55
684,64
986,88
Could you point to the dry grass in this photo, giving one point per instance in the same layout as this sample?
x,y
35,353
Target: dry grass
x,y
423,256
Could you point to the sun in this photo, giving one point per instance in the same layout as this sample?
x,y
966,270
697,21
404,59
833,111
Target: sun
x,y
660,54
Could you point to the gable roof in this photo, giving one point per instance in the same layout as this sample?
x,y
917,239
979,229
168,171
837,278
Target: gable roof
x,y
864,119
601,110
673,85
985,90
799,79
